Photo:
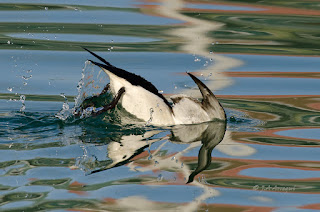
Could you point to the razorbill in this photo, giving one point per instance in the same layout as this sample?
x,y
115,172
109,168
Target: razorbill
x,y
143,100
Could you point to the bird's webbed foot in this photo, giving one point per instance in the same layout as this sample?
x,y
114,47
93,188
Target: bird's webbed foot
x,y
111,105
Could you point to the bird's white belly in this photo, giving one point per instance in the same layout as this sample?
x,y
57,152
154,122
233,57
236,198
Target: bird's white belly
x,y
147,106
188,111
141,102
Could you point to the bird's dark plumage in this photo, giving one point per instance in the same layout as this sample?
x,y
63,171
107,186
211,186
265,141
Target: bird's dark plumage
x,y
130,77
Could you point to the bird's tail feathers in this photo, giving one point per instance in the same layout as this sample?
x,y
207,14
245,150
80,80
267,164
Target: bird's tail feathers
x,y
97,56
210,103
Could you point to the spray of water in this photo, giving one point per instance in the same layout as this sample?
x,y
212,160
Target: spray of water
x,y
23,106
91,83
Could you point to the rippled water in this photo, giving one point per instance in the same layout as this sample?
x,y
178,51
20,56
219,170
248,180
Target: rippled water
x,y
261,58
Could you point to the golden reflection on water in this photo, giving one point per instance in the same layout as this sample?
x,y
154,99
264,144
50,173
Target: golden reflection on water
x,y
195,40
252,140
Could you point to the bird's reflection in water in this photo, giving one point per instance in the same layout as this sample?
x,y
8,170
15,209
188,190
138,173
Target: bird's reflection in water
x,y
210,134
129,147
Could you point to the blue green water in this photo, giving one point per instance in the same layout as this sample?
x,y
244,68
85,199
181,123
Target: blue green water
x,y
263,67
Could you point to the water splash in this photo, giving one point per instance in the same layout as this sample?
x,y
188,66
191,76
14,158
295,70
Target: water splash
x,y
91,84
65,112
86,162
22,100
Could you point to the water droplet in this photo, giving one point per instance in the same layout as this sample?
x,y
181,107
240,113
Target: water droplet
x,y
22,108
46,8
150,119
10,89
197,60
62,95
65,106
22,98
27,78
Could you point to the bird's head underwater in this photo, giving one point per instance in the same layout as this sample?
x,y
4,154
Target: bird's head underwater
x,y
142,99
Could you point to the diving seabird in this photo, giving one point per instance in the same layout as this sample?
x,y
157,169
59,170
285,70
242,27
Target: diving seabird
x,y
143,100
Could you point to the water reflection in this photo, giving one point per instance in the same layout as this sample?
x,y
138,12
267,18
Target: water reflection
x,y
77,17
267,153
129,147
210,135
82,37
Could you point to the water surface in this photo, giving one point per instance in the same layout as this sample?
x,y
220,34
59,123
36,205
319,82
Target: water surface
x,y
260,58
